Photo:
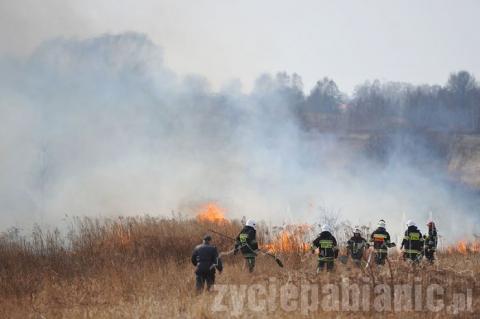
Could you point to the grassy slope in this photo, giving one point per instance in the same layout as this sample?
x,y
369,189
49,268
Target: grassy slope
x,y
139,268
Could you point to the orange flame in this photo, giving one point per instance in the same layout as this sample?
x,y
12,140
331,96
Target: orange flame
x,y
462,247
289,240
465,247
212,213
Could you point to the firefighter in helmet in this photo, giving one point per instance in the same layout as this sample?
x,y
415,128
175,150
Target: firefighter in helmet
x,y
356,246
381,242
431,241
246,242
327,248
412,243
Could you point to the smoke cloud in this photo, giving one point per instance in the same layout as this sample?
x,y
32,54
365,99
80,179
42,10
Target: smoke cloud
x,y
102,127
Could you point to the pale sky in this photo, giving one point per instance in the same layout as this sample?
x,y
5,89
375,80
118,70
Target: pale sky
x,y
419,41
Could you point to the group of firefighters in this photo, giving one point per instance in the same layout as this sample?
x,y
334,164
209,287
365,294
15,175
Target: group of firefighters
x,y
414,245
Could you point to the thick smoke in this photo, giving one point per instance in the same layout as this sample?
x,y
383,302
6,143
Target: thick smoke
x,y
102,127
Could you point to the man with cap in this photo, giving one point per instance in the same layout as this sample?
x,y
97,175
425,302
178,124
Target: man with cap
x,y
356,246
206,259
327,248
246,242
412,243
381,242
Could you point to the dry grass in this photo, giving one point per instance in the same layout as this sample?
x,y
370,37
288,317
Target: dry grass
x,y
140,268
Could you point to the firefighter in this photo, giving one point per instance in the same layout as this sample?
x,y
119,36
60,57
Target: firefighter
x,y
356,246
412,243
327,249
431,241
381,242
206,259
246,242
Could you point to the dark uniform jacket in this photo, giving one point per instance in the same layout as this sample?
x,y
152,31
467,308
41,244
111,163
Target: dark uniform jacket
x,y
431,239
246,241
381,239
413,241
327,246
206,258
356,246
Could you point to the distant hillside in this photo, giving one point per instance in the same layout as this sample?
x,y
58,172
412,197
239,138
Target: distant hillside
x,y
464,159
459,154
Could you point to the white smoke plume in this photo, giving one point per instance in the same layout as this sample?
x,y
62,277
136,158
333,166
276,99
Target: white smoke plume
x,y
102,127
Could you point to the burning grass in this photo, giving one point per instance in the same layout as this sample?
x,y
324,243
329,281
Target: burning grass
x,y
212,213
465,247
290,239
139,267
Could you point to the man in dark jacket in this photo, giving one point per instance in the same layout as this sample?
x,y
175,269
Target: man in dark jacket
x,y
431,241
381,242
205,258
246,242
356,246
412,243
327,249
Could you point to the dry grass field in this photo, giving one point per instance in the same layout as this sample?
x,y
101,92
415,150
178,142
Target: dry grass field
x,y
139,267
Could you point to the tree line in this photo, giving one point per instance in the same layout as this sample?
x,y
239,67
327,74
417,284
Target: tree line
x,y
377,106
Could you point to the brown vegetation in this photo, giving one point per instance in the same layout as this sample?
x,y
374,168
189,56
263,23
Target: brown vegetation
x,y
139,267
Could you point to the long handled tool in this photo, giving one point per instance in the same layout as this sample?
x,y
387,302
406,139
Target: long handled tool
x,y
368,267
390,270
369,259
278,261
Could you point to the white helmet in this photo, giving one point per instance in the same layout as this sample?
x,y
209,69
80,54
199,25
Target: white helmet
x,y
326,227
381,223
251,223
356,230
411,223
